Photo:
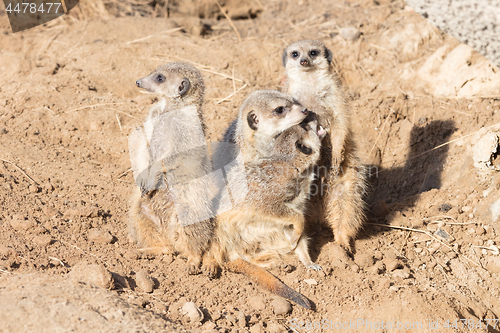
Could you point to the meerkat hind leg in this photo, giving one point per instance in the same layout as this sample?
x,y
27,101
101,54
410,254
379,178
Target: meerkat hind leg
x,y
302,252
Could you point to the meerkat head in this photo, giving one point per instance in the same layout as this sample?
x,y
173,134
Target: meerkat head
x,y
304,138
175,81
267,113
307,55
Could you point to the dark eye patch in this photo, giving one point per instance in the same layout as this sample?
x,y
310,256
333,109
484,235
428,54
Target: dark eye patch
x,y
295,54
304,149
160,78
279,110
314,53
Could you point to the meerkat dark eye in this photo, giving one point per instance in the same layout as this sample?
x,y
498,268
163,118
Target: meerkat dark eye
x,y
295,54
279,110
160,78
304,149
314,53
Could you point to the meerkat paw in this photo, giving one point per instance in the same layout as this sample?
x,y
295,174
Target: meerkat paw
x,y
192,269
315,267
210,269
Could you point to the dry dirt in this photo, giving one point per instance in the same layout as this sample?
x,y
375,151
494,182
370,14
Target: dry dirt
x,y
68,102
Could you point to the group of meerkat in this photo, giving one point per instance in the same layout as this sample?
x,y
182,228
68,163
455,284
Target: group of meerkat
x,y
290,143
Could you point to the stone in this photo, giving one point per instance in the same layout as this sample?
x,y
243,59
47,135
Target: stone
x,y
281,306
349,33
144,281
100,236
95,274
364,260
193,312
257,303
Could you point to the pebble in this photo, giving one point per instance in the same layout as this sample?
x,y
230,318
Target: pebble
x,y
364,260
275,328
311,282
257,303
349,33
434,247
95,274
401,274
281,306
378,268
242,320
193,312
432,227
257,328
445,207
378,255
480,230
231,319
100,236
493,264
33,188
354,268
391,264
42,240
144,281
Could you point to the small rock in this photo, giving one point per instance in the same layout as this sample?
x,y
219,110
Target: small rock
x,y
349,33
434,247
484,149
231,319
95,274
193,312
311,282
275,328
378,268
418,250
432,227
400,273
48,187
100,236
33,188
480,230
354,268
445,207
378,255
391,264
443,235
364,260
257,328
42,240
144,281
257,303
281,306
242,320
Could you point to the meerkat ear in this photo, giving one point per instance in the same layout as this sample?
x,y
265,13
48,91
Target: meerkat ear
x,y
252,120
328,55
184,87
284,58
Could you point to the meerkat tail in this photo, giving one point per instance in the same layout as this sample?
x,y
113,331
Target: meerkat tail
x,y
268,281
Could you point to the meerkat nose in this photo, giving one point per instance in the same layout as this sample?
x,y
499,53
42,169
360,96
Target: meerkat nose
x,y
305,111
138,83
304,62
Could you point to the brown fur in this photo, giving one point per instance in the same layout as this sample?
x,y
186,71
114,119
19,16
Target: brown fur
x,y
269,223
341,176
154,223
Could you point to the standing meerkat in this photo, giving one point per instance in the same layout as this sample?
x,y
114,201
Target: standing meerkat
x,y
268,225
311,80
173,154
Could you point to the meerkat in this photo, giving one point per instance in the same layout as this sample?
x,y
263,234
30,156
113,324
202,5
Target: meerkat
x,y
262,117
311,80
175,152
269,224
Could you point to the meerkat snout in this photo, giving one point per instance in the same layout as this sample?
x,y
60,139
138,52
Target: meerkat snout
x,y
304,62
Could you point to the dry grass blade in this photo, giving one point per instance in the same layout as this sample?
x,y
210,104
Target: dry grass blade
x,y
18,168
92,106
229,20
234,93
151,36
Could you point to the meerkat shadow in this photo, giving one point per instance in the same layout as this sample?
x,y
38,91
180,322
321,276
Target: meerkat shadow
x,y
397,187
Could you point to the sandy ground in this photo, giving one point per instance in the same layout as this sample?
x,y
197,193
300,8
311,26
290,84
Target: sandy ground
x,y
418,101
